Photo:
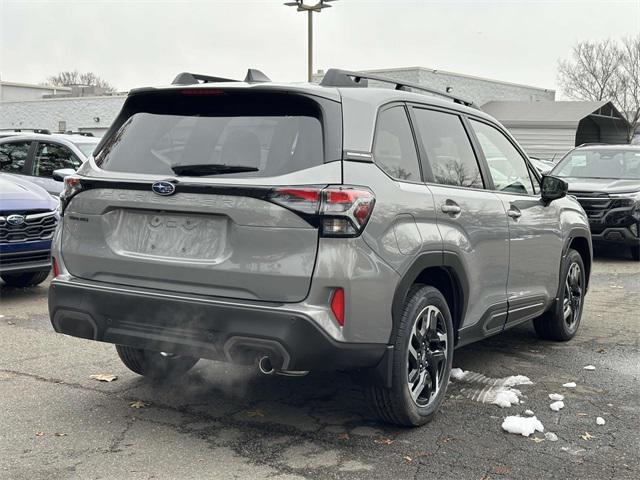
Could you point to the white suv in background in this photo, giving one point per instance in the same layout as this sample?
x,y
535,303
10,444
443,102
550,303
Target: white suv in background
x,y
36,156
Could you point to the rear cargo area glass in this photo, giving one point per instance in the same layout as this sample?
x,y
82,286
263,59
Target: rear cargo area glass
x,y
271,134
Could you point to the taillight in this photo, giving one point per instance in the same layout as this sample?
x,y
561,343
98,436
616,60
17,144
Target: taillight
x,y
346,210
338,305
72,186
305,200
343,210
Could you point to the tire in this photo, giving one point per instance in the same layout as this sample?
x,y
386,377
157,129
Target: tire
x,y
554,323
635,253
397,405
154,365
28,279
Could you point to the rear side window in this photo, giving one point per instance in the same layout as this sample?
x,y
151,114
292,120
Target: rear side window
x,y
394,150
448,149
228,135
13,156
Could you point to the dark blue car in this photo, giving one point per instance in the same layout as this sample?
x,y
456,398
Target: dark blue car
x,y
28,218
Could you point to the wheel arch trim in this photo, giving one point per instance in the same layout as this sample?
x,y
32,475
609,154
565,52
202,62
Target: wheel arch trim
x,y
453,265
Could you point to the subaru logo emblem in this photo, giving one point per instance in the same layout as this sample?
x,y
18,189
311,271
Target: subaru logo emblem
x,y
163,188
15,220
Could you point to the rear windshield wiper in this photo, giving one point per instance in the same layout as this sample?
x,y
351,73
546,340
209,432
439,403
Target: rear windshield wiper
x,y
210,169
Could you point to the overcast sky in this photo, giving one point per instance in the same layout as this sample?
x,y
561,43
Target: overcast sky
x,y
146,42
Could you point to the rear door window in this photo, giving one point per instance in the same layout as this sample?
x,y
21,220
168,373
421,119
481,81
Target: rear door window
x,y
51,156
394,149
13,156
448,149
217,136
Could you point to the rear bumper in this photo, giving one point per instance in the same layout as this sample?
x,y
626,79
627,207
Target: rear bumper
x,y
203,327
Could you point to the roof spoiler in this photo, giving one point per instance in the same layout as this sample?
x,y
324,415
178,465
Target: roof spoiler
x,y
186,78
345,78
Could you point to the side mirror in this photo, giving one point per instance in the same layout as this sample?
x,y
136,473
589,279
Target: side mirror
x,y
61,173
553,188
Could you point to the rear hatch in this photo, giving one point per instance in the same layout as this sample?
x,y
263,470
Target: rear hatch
x,y
181,195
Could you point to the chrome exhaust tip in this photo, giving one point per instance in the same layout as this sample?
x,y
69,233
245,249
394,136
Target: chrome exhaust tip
x,y
265,366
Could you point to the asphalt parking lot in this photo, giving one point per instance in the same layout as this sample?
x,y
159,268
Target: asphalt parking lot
x,y
223,421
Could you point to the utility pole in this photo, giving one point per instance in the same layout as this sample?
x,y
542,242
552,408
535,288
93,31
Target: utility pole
x,y
302,7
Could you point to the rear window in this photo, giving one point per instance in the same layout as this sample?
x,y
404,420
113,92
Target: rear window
x,y
222,134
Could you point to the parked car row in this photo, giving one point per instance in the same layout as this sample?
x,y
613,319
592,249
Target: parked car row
x,y
28,218
32,167
606,181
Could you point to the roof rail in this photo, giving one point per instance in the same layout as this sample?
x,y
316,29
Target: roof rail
x,y
83,134
345,78
43,131
186,78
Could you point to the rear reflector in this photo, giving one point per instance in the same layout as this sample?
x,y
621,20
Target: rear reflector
x,y
337,305
56,269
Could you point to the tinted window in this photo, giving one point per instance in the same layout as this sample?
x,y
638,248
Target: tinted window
x,y
51,156
600,164
448,149
213,135
13,156
507,167
394,150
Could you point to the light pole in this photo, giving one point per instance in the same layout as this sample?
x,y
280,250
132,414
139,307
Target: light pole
x,y
302,7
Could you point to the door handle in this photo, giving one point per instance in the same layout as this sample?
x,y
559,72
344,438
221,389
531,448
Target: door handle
x,y
451,209
514,213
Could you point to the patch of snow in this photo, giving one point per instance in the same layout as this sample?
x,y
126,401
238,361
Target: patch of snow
x,y
589,367
528,413
516,380
569,385
557,406
552,437
524,426
497,391
600,421
458,373
506,397
556,396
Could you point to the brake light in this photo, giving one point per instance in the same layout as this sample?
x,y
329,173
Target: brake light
x,y
202,91
54,265
337,305
343,210
72,186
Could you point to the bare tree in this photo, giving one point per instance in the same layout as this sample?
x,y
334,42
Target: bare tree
x,y
627,83
65,79
606,70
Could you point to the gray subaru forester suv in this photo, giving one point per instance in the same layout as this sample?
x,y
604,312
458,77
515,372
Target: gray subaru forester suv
x,y
314,227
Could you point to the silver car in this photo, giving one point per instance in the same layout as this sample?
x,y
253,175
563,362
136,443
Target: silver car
x,y
44,158
314,227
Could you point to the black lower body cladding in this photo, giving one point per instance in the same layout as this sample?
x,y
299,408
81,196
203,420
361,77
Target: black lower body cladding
x,y
201,327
